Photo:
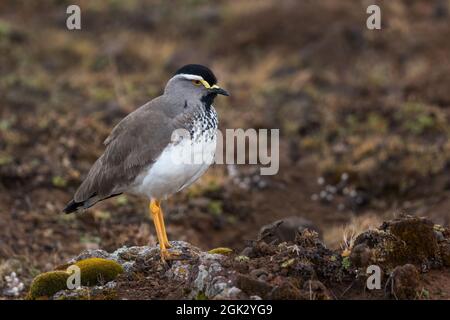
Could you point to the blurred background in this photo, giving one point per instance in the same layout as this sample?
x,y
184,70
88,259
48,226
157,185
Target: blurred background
x,y
363,117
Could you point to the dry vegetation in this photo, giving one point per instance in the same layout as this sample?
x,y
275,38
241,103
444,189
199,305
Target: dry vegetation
x,y
363,116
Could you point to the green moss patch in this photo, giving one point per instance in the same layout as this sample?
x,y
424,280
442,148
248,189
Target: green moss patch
x,y
221,250
94,271
47,284
97,270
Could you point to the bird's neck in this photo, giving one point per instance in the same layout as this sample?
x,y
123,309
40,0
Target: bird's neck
x,y
208,100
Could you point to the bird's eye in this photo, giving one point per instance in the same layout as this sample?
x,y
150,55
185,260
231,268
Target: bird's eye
x,y
196,82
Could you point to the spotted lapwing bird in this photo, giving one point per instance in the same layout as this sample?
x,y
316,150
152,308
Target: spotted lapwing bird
x,y
141,153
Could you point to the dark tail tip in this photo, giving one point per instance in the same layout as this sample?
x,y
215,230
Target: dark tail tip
x,y
72,206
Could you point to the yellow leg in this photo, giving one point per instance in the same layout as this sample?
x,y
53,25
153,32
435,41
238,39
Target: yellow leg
x,y
154,213
163,226
158,219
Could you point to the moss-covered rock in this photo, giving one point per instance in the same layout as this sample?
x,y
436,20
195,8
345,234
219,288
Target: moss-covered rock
x,y
47,284
380,248
97,270
94,271
418,235
221,250
404,240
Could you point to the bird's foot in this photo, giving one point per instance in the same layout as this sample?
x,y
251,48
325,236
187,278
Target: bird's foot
x,y
167,255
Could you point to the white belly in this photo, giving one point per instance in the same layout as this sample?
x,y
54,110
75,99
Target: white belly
x,y
177,167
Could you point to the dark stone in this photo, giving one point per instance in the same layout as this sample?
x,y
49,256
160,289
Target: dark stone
x,y
360,255
248,252
286,291
316,290
444,248
404,282
259,273
252,286
285,230
418,234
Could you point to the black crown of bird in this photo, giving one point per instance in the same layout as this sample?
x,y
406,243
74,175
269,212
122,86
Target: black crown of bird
x,y
199,70
139,150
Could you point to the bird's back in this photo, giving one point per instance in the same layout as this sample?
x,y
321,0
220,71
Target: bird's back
x,y
134,144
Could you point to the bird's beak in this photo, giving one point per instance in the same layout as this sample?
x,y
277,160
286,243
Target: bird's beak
x,y
218,90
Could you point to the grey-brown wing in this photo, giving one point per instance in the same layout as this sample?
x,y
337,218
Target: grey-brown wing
x,y
132,146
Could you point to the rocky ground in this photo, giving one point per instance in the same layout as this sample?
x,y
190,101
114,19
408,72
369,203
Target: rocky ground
x,y
412,253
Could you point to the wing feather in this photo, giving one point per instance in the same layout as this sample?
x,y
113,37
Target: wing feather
x,y
134,144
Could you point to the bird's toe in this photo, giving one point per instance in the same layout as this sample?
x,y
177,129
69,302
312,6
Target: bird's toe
x,y
167,255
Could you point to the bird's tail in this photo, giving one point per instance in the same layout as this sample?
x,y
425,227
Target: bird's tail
x,y
73,206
